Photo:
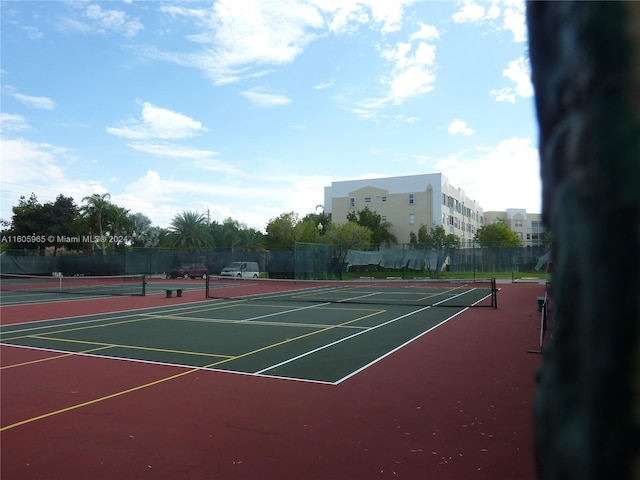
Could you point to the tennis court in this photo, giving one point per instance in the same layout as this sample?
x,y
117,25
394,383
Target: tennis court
x,y
268,379
308,332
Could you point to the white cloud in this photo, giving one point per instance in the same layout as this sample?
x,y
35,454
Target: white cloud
x,y
43,103
90,18
512,13
112,21
245,39
470,12
460,127
36,102
172,150
10,122
322,86
158,123
518,72
33,33
514,20
346,16
266,100
498,176
388,14
412,73
242,37
241,197
28,162
426,32
402,118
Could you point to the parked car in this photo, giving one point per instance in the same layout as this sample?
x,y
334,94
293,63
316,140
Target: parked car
x,y
190,270
241,270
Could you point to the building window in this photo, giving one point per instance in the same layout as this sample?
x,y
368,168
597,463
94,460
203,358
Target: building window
x,y
444,199
352,202
412,218
383,218
367,199
518,223
384,199
412,199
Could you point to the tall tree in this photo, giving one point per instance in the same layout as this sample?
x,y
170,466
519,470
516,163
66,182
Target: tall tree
x,y
189,231
497,235
94,211
44,224
282,232
320,220
142,230
380,233
309,231
345,236
230,231
25,222
118,222
439,239
250,240
62,220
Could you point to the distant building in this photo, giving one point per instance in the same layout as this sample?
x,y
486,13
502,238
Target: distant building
x,y
528,226
407,203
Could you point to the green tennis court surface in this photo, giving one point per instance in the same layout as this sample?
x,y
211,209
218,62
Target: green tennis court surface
x,y
315,341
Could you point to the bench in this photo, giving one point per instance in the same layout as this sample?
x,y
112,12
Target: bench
x,y
170,293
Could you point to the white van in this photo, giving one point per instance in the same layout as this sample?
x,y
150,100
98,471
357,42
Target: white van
x,y
241,270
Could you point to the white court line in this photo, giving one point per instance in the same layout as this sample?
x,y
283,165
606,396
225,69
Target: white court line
x,y
342,340
355,372
105,315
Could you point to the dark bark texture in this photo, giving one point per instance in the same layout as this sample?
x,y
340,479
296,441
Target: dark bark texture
x,y
585,59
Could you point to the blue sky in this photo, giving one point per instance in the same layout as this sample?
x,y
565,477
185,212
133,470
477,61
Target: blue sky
x,y
248,108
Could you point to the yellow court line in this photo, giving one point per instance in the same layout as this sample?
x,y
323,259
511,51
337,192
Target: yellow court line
x,y
75,329
288,340
53,358
437,294
244,322
131,347
97,400
173,377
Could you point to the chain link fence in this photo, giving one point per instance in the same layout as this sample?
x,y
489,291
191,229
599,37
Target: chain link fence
x,y
305,261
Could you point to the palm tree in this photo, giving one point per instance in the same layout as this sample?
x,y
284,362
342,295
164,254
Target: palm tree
x,y
118,222
94,211
230,230
189,231
142,230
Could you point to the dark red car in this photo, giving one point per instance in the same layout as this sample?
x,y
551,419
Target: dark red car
x,y
190,270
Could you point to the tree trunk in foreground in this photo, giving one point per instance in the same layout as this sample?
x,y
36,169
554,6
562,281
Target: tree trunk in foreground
x,y
585,60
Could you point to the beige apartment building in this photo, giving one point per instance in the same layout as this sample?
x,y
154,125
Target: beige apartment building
x,y
528,226
407,203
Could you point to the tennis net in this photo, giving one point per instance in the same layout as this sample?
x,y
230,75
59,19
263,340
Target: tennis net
x,y
83,285
411,292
